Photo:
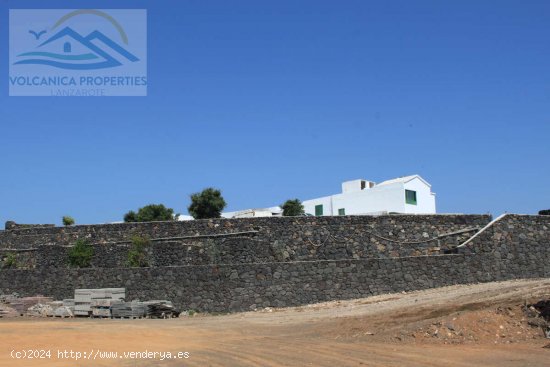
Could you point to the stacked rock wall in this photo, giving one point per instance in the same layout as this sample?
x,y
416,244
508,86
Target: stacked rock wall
x,y
512,247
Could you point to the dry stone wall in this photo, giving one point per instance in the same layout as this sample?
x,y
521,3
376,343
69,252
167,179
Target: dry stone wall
x,y
512,247
236,241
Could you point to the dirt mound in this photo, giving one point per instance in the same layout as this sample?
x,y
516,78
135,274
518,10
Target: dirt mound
x,y
457,315
503,325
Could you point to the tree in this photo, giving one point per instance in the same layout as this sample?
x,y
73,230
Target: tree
x,y
207,204
545,212
150,213
68,221
131,216
137,256
80,255
292,208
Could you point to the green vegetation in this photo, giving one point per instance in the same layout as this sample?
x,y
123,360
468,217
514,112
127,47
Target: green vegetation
x,y
545,212
137,256
207,204
80,255
131,216
68,221
292,208
10,261
150,213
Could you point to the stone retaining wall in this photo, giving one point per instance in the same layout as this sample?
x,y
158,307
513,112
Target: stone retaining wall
x,y
230,241
511,248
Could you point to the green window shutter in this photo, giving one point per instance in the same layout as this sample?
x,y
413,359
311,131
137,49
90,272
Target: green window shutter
x,y
342,211
410,197
319,210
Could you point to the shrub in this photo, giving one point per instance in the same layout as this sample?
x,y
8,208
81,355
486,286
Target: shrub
x,y
207,204
137,256
68,221
150,213
292,208
131,216
545,212
80,255
10,261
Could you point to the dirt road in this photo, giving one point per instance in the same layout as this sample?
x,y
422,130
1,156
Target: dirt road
x,y
478,325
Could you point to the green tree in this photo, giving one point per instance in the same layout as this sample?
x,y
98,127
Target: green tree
x,y
545,212
292,208
80,255
131,216
207,204
150,213
137,256
68,221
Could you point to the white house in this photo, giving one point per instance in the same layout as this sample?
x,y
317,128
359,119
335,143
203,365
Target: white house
x,y
410,194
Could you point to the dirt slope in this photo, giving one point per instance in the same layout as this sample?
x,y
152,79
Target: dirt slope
x,y
477,325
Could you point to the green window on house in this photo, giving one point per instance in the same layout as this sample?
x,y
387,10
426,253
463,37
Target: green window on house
x,y
319,210
342,211
410,197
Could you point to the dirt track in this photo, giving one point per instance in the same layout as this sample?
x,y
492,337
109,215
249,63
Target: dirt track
x,y
480,325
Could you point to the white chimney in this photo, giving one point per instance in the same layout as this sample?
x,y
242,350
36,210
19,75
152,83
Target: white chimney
x,y
356,185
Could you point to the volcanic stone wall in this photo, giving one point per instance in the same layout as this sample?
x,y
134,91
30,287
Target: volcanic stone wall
x,y
254,240
511,247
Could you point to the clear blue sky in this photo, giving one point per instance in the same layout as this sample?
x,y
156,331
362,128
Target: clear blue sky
x,y
283,99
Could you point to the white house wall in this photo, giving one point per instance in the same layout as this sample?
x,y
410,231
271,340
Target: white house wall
x,y
378,199
309,205
425,199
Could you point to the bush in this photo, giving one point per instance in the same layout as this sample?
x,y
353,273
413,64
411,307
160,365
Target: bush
x,y
545,212
292,208
150,213
80,255
10,261
137,256
68,221
131,216
207,204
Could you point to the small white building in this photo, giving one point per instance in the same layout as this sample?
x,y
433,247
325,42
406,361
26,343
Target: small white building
x,y
254,213
410,195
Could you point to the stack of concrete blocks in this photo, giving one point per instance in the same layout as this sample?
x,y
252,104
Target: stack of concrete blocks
x,y
96,302
101,307
132,310
69,302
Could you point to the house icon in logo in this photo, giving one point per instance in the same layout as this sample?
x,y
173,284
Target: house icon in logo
x,y
68,49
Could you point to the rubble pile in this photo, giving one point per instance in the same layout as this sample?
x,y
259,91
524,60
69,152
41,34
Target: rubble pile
x,y
11,305
538,315
502,325
7,311
5,305
161,310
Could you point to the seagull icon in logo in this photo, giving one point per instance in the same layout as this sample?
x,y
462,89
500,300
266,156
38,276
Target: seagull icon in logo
x,y
37,35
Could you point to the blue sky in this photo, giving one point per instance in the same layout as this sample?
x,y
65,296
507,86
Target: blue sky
x,y
283,99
